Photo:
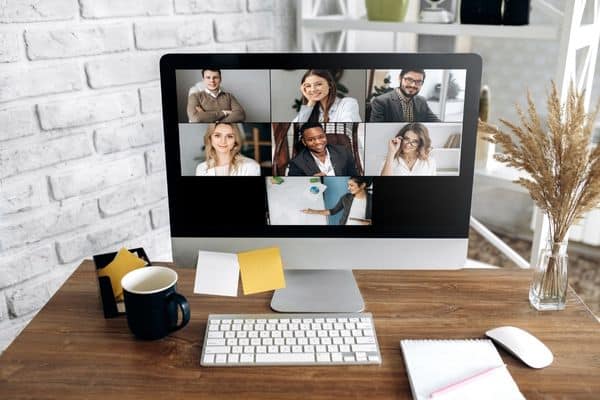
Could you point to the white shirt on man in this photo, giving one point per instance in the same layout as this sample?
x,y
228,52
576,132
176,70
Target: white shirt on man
x,y
326,167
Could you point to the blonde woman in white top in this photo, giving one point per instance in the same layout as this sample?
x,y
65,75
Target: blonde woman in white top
x,y
223,143
320,102
409,152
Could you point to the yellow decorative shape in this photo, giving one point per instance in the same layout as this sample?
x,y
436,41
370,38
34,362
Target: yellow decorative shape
x,y
123,262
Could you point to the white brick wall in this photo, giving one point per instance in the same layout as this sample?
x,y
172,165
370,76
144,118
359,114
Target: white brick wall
x,y
208,6
81,152
16,122
34,10
78,111
18,82
78,41
10,47
185,32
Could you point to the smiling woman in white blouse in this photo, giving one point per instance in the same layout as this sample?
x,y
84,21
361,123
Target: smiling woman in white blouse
x,y
320,102
223,145
409,152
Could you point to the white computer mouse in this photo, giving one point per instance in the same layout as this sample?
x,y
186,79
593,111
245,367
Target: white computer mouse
x,y
522,345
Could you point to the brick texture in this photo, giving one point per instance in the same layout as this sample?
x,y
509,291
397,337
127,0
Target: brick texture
x,y
103,235
79,41
3,310
260,5
25,300
87,110
244,27
122,70
206,6
10,47
25,158
26,265
36,10
136,195
82,168
47,223
22,195
189,32
160,216
119,8
122,137
95,177
155,160
150,99
16,122
17,82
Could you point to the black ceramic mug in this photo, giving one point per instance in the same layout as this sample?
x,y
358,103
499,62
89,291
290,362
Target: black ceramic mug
x,y
152,304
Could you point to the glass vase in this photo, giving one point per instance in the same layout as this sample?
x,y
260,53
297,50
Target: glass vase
x,y
548,289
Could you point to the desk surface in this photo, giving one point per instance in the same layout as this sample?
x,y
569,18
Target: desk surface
x,y
70,351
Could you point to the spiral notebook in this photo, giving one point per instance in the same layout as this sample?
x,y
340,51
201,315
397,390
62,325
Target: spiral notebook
x,y
457,369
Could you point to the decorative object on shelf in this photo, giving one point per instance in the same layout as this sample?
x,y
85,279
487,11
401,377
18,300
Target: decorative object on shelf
x,y
482,12
564,179
516,12
386,10
434,14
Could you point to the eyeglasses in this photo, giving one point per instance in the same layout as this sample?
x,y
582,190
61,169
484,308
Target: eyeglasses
x,y
413,143
418,82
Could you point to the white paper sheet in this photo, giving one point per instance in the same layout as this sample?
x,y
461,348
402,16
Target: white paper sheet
x,y
217,273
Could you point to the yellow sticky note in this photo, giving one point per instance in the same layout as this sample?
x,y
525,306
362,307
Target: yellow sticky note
x,y
123,262
261,270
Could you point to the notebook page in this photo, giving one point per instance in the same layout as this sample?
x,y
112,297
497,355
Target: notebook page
x,y
435,364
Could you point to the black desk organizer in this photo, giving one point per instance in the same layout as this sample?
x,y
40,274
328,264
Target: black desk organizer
x,y
109,305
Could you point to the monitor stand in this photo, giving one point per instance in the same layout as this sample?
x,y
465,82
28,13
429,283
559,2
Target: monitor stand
x,y
318,291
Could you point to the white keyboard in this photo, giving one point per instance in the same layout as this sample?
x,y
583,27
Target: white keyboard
x,y
233,340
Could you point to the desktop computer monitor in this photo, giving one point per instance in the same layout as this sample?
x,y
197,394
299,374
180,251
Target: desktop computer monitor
x,y
343,161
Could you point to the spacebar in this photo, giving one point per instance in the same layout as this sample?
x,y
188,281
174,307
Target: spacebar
x,y
284,358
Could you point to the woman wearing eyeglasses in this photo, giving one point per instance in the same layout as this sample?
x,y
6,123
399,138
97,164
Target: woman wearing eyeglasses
x,y
409,152
320,102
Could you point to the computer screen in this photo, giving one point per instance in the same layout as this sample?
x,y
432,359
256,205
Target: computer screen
x,y
342,160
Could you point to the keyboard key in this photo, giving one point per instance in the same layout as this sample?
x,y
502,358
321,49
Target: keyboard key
x,y
209,358
233,358
247,358
216,349
221,358
285,358
365,340
364,347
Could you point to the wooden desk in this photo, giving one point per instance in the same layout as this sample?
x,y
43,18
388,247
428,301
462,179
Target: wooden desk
x,y
69,351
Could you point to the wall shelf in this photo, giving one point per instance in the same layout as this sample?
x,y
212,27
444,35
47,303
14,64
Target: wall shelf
x,y
331,23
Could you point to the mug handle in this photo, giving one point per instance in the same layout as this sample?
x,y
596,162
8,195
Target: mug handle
x,y
185,309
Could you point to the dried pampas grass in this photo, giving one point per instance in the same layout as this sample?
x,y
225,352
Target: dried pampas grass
x,y
562,163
